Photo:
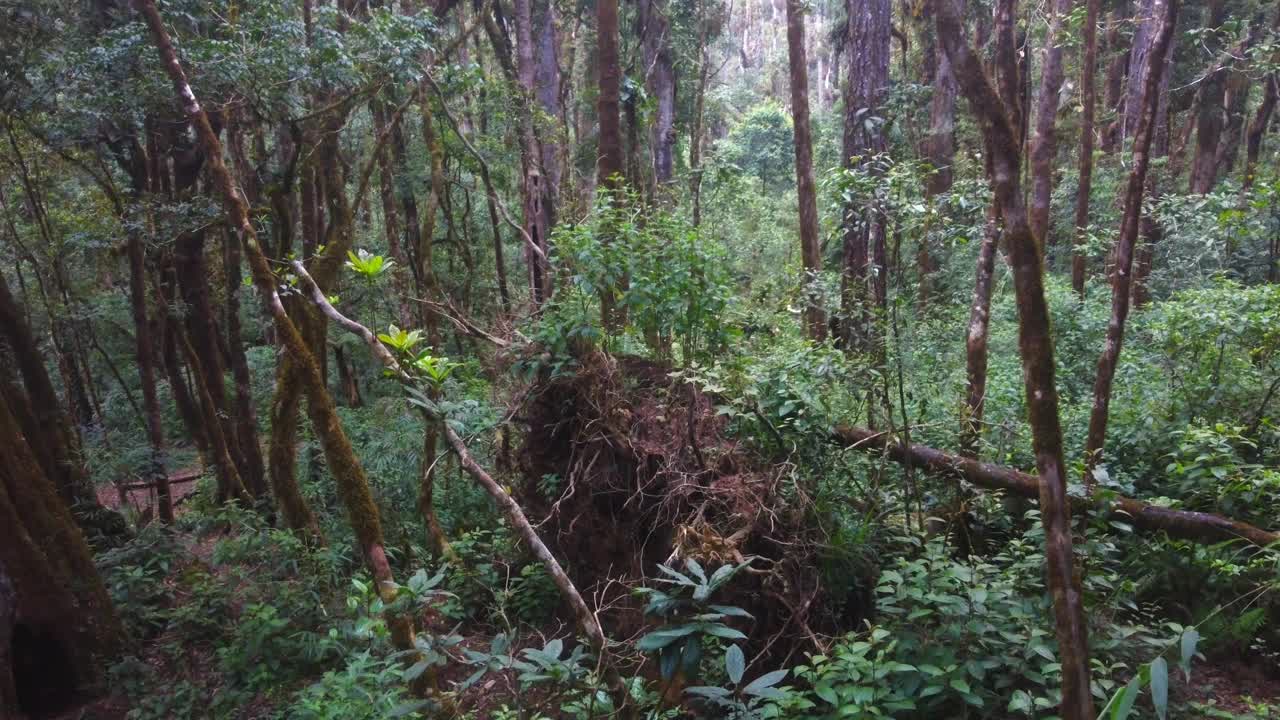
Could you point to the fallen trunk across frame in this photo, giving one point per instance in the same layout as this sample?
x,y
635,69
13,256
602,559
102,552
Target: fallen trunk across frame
x,y
1197,526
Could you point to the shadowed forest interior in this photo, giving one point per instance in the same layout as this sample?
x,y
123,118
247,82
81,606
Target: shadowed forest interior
x,y
639,359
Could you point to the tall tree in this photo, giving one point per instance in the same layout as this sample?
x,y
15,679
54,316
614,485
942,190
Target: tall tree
x,y
868,44
1035,342
1121,280
532,190
660,78
1209,122
1089,101
353,486
810,251
1044,146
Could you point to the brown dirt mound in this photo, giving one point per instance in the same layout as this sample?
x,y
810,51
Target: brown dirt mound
x,y
645,475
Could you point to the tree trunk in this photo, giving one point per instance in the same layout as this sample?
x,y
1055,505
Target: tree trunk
x,y
532,190
51,435
810,251
941,144
695,125
145,355
1121,275
56,617
979,328
1258,128
1209,114
547,80
1084,188
387,194
353,486
1035,343
609,163
253,472
976,339
660,78
1044,146
1195,526
1116,71
608,108
869,35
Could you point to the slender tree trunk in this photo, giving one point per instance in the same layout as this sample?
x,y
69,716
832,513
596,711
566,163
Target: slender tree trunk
x,y
1044,146
144,353
609,163
353,487
549,89
391,222
532,190
1035,343
1151,229
253,473
695,125
1121,281
1258,128
1084,189
1114,86
976,339
810,251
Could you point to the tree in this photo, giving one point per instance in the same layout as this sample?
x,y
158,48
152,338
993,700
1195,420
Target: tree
x,y
1121,278
1035,344
869,34
815,320
353,487
57,624
1089,101
660,77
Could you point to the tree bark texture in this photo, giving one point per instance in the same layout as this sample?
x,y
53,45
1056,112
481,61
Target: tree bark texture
x,y
810,250
1035,342
1121,280
1084,187
353,486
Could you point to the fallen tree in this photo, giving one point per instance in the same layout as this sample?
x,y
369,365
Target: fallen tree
x,y
1196,526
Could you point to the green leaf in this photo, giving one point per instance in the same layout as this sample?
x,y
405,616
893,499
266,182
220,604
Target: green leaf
x,y
723,631
407,708
1190,639
735,663
764,682
659,639
416,670
961,684
1160,686
1020,702
1122,705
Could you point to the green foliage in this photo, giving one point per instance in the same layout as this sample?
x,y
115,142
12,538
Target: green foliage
x,y
691,618
742,701
366,688
672,283
761,144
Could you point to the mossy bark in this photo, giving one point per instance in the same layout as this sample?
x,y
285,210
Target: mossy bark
x,y
352,485
52,581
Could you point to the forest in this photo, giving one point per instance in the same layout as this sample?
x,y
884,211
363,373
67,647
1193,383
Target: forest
x,y
639,359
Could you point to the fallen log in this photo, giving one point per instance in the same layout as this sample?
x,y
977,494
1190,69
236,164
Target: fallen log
x,y
1187,525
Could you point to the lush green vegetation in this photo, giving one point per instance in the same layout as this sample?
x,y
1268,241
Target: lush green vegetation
x,y
607,389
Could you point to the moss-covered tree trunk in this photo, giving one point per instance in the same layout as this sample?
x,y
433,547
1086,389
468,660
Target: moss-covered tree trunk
x,y
60,624
349,476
